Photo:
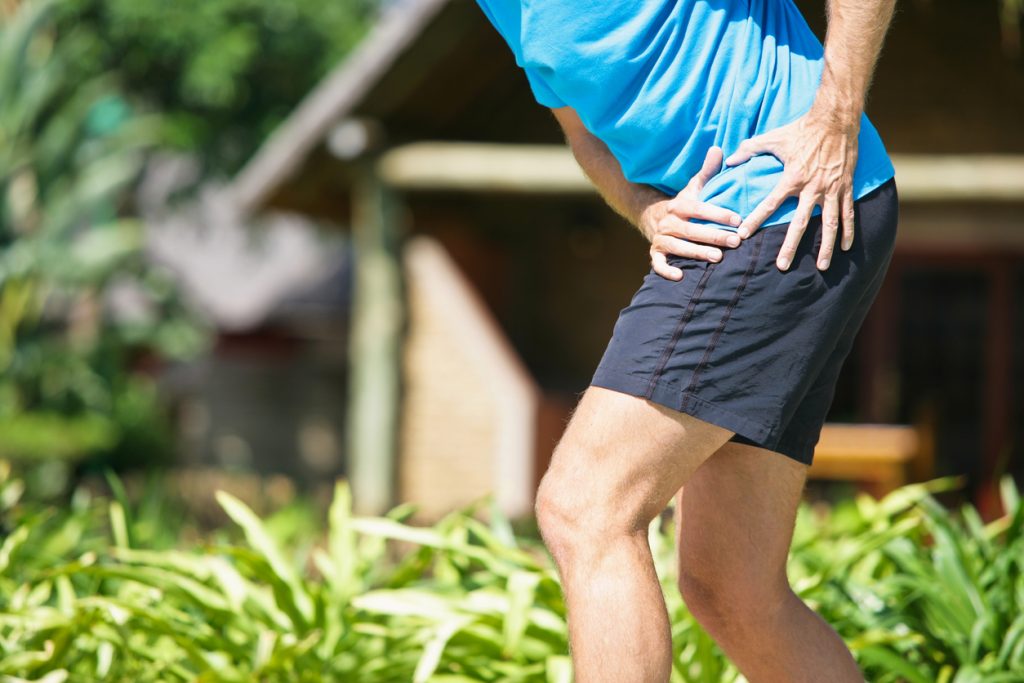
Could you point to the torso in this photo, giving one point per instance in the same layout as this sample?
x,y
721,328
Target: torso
x,y
660,81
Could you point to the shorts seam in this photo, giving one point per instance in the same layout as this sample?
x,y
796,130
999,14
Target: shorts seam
x,y
659,369
755,256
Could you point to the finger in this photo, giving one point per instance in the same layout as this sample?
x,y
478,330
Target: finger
x,y
685,207
763,210
848,214
681,247
712,165
748,148
703,234
829,229
660,265
795,232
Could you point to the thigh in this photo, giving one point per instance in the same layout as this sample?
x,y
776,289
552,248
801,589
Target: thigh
x,y
734,520
627,456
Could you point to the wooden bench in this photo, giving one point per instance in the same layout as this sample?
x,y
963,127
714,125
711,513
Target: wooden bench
x,y
881,457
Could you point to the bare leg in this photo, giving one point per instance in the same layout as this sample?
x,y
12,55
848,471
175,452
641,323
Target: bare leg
x,y
617,466
734,521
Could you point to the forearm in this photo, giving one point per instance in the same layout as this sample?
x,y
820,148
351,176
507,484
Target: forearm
x,y
630,200
856,30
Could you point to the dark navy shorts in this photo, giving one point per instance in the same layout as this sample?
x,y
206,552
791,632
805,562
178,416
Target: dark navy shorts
x,y
747,347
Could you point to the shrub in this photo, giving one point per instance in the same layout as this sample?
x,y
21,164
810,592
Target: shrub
x,y
68,151
918,593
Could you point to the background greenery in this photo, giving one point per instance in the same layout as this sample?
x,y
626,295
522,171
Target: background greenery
x,y
88,90
97,591
224,73
71,148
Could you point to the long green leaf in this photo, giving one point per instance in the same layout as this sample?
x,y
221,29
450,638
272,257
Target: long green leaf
x,y
261,541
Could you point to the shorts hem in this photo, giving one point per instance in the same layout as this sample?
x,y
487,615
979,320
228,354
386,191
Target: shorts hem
x,y
749,431
666,395
802,451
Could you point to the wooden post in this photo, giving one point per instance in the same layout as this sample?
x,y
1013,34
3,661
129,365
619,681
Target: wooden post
x,y
998,388
879,349
374,344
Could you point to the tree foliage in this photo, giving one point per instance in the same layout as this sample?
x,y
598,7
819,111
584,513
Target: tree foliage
x,y
224,72
68,150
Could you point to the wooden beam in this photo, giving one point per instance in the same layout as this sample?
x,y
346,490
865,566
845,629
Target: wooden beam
x,y
551,169
470,166
374,346
945,178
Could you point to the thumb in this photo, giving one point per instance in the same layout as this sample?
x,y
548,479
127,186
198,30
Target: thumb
x,y
712,164
747,149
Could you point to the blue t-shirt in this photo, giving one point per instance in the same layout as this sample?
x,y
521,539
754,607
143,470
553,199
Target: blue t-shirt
x,y
660,81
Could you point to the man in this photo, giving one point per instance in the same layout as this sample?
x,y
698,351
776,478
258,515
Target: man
x,y
719,373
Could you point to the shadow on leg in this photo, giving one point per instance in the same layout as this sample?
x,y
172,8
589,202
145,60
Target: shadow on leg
x,y
617,466
734,526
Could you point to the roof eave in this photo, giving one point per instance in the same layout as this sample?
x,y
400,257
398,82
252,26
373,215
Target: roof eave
x,y
336,96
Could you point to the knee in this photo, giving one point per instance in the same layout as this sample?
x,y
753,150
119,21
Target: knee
x,y
705,598
575,515
562,515
729,602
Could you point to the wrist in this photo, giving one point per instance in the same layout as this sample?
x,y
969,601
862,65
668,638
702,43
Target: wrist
x,y
842,118
652,209
838,103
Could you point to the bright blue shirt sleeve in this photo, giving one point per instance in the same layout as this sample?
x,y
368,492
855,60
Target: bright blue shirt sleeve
x,y
660,81
507,19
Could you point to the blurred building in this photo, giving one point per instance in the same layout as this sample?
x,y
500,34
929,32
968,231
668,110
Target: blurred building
x,y
486,302
269,396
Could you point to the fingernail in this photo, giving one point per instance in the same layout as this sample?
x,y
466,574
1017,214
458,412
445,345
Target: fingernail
x,y
743,233
783,263
733,240
715,255
823,264
736,220
847,245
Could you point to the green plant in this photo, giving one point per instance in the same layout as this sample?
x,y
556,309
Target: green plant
x,y
225,73
68,151
924,595
920,594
